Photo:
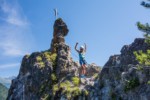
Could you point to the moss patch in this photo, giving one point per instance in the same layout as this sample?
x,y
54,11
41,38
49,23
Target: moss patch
x,y
46,97
95,76
68,89
148,82
75,81
53,78
131,84
38,58
139,68
41,64
143,58
45,56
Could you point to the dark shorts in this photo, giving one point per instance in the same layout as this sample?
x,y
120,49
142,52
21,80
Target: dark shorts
x,y
82,62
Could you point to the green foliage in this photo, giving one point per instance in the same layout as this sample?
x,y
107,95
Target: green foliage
x,y
46,97
131,84
41,59
50,57
47,55
42,88
53,58
143,58
53,78
38,58
146,30
86,92
95,76
148,82
65,84
55,88
3,92
142,27
139,68
145,4
69,90
41,64
75,81
76,91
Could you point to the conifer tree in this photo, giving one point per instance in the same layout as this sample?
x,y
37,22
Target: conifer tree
x,y
145,27
144,58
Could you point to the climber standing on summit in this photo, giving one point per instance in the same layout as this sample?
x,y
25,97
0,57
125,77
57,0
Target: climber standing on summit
x,y
82,60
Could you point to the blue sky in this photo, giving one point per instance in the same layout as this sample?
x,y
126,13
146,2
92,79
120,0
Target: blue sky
x,y
26,26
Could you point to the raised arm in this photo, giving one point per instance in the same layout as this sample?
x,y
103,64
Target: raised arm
x,y
85,47
76,47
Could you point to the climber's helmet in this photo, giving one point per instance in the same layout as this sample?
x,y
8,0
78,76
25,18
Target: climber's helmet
x,y
81,48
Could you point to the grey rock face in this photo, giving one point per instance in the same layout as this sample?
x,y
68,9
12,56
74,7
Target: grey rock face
x,y
127,57
65,64
32,76
121,78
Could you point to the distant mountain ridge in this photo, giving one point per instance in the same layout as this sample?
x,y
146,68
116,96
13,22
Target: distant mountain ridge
x,y
10,78
3,92
7,81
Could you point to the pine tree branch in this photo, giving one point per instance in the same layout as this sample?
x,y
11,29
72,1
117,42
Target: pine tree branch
x,y
144,28
145,4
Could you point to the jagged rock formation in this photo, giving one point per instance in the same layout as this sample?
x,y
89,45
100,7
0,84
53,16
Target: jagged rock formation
x,y
60,31
122,78
52,74
65,64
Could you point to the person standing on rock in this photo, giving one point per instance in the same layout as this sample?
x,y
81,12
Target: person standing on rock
x,y
82,60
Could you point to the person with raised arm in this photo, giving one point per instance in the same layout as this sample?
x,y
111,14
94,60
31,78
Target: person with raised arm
x,y
82,60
